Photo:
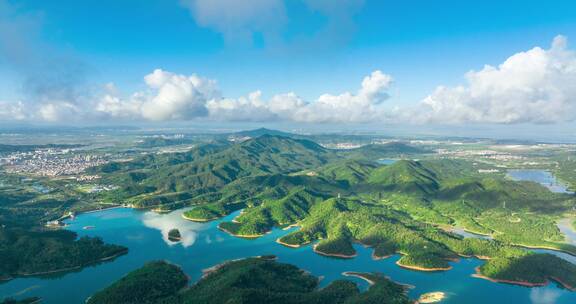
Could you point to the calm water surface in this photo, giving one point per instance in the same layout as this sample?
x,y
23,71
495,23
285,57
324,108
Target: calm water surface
x,y
386,161
565,226
203,245
543,177
548,180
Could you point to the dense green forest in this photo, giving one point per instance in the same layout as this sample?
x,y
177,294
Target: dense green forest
x,y
155,282
535,269
27,247
25,253
339,197
566,170
335,197
172,180
252,280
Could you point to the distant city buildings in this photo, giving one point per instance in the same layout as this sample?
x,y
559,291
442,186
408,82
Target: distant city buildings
x,y
51,162
486,154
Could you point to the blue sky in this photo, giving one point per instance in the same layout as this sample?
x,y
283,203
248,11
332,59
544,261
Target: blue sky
x,y
309,47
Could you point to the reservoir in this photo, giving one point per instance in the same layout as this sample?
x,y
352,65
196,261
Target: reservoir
x,y
543,177
386,161
548,180
203,245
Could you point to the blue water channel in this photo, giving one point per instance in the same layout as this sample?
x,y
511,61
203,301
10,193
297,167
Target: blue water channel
x,y
204,245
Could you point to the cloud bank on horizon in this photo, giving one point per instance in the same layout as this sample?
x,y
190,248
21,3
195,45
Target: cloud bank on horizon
x,y
180,97
534,86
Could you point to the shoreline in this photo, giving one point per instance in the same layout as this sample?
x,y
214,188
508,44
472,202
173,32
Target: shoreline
x,y
68,217
41,273
358,275
376,257
103,209
521,283
247,236
363,276
431,297
546,248
290,226
418,268
197,220
569,287
335,255
290,245
479,257
207,271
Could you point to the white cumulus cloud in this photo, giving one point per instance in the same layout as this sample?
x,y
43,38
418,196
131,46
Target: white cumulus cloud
x,y
536,86
57,111
362,106
250,108
170,97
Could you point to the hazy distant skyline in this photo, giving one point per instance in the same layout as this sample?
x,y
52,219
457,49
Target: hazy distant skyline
x,y
347,62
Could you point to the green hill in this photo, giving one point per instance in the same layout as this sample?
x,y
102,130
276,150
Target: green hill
x,y
251,280
155,282
405,176
289,209
28,253
271,200
156,161
348,172
262,155
402,208
208,168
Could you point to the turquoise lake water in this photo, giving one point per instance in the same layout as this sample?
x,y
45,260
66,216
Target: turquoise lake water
x,y
543,177
203,245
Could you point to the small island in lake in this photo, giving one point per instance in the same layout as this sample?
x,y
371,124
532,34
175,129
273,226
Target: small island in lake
x,y
431,297
174,235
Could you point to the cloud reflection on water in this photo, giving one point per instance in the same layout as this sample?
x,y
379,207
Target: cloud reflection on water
x,y
168,221
544,295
